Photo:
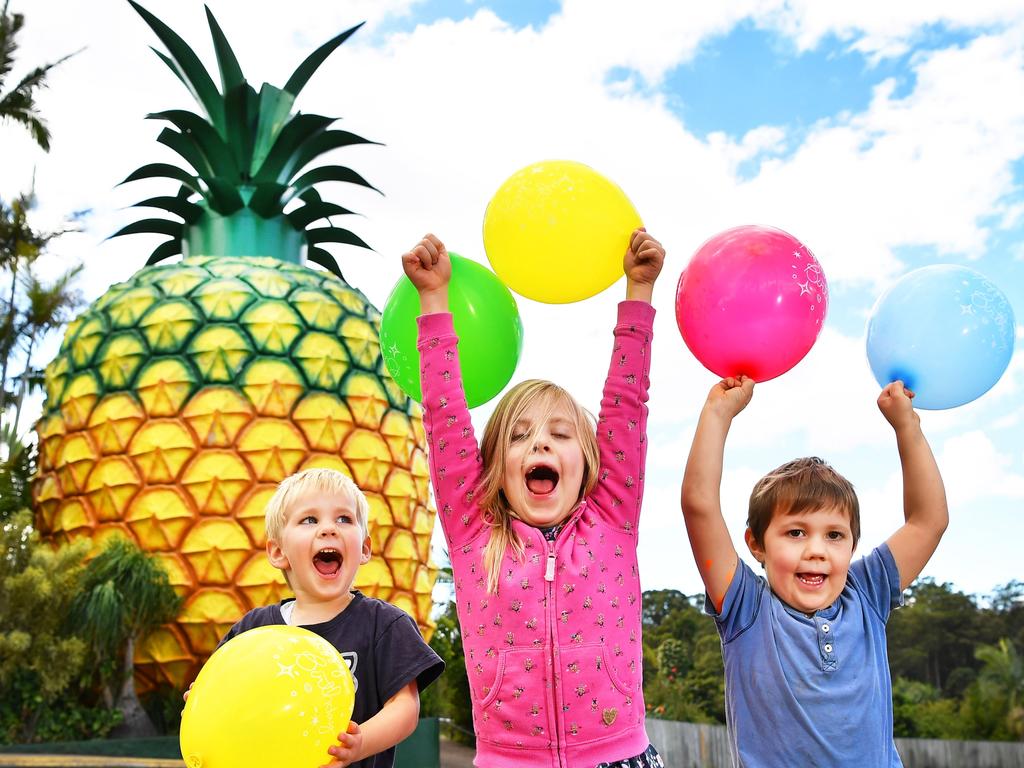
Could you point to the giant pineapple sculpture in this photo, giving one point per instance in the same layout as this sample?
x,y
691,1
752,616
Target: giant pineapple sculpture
x,y
182,396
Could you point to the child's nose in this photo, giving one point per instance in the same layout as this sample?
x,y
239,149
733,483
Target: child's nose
x,y
815,547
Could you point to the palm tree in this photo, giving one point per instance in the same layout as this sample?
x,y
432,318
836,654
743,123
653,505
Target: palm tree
x,y
16,470
18,104
26,314
125,595
20,246
1003,675
47,307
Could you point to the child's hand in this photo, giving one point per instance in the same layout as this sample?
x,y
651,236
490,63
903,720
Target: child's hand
x,y
184,696
895,404
427,265
642,262
731,395
349,746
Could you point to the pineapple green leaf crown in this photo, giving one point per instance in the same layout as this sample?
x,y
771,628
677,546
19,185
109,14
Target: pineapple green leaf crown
x,y
248,156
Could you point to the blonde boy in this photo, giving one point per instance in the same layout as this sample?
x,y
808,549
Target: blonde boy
x,y
317,536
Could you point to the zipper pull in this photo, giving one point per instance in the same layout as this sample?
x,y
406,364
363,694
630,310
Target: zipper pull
x,y
549,573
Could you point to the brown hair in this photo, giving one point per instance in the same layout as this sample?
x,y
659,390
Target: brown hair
x,y
494,449
798,486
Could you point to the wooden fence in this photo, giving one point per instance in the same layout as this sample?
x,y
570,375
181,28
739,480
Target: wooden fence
x,y
687,745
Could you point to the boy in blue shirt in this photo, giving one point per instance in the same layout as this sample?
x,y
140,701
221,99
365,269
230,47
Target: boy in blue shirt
x,y
807,677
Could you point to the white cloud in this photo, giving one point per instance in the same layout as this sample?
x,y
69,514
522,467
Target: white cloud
x,y
886,29
974,469
461,105
984,487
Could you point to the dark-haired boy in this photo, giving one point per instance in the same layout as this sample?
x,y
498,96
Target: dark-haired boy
x,y
807,677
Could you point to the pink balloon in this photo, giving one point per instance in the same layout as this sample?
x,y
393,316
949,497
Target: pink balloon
x,y
752,301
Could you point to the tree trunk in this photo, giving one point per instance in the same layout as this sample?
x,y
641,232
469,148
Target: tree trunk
x,y
11,312
136,723
28,728
21,393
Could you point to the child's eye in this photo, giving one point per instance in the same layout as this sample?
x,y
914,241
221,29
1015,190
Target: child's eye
x,y
836,535
561,435
795,533
308,519
517,436
347,519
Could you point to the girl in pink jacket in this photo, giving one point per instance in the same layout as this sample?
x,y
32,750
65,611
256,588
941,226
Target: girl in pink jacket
x,y
541,525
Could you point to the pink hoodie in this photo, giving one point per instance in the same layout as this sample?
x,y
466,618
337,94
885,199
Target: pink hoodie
x,y
555,658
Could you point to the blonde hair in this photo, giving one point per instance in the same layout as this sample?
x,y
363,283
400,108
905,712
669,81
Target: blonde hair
x,y
494,450
802,485
319,480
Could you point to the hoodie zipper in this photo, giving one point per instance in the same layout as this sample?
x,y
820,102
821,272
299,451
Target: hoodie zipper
x,y
554,657
556,683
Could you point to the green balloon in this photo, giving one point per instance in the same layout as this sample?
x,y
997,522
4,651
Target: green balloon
x,y
487,323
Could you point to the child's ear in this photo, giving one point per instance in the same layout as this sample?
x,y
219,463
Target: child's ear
x,y
364,556
276,556
755,549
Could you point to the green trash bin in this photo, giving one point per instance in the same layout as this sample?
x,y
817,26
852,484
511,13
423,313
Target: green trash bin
x,y
423,747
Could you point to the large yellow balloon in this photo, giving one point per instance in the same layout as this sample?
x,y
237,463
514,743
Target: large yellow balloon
x,y
556,231
274,696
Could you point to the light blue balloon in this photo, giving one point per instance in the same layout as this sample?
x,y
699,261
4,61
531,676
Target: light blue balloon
x,y
946,331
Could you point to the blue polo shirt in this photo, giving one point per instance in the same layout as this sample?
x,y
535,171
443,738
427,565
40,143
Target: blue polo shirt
x,y
810,690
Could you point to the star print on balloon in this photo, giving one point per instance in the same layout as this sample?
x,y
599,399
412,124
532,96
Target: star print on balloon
x,y
752,302
275,679
945,331
486,320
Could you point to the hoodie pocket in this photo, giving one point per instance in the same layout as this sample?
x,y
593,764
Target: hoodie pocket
x,y
597,703
515,710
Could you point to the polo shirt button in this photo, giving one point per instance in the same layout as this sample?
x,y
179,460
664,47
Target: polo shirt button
x,y
824,628
828,648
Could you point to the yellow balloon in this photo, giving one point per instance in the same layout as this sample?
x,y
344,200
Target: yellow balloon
x,y
275,696
556,231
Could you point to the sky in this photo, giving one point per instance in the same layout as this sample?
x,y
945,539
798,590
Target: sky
x,y
884,137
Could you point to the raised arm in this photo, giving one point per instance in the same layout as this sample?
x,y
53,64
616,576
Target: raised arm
x,y
622,423
642,264
924,496
452,451
702,487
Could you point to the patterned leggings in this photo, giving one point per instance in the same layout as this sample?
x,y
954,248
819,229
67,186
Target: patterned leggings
x,y
649,759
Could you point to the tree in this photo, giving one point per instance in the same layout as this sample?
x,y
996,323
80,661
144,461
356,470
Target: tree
x,y
125,595
683,671
674,658
449,696
935,634
16,472
1002,678
18,104
1007,601
30,309
47,307
668,613
919,712
40,661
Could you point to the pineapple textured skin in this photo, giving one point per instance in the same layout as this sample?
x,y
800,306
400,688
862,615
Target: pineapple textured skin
x,y
179,400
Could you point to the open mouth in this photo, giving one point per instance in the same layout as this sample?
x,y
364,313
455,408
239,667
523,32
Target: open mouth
x,y
811,579
327,562
541,479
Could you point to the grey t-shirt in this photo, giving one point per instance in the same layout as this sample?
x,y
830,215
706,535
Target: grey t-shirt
x,y
810,690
